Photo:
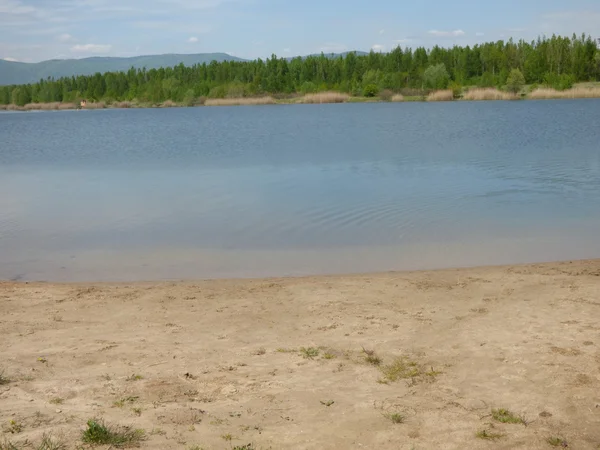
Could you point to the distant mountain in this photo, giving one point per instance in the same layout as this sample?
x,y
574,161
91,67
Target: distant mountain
x,y
21,73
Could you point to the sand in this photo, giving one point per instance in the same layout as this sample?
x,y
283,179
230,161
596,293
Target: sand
x,y
217,364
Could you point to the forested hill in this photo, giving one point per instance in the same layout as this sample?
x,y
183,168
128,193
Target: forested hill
x,y
557,62
24,73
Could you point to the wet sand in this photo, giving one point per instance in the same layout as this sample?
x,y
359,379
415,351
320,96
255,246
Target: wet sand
x,y
310,363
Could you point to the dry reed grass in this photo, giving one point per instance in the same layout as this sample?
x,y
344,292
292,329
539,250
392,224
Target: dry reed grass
x,y
239,101
488,94
95,105
123,104
398,98
441,96
576,92
168,104
325,97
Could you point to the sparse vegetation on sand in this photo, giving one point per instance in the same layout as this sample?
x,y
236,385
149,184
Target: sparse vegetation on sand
x,y
489,434
97,432
309,353
239,101
505,416
557,441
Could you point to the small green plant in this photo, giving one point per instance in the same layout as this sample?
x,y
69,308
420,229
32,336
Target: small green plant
x,y
488,435
401,368
328,355
286,350
227,437
3,378
395,417
505,416
244,447
122,402
14,427
137,411
97,432
327,403
134,377
556,441
57,401
371,357
309,353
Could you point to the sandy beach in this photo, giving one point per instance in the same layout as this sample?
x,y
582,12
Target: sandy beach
x,y
420,360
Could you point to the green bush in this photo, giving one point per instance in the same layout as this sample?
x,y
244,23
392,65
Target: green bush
x,y
456,89
370,90
515,81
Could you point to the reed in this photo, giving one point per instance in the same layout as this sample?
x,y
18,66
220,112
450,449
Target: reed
x,y
168,104
239,101
123,104
398,98
325,97
477,94
95,105
441,96
576,92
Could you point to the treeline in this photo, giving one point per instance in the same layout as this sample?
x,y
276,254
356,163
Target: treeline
x,y
556,62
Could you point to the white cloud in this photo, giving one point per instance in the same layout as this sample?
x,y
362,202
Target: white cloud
x,y
193,40
403,41
378,47
455,33
91,48
479,34
287,50
381,32
8,58
65,37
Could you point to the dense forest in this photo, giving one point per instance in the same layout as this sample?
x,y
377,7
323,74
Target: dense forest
x,y
557,62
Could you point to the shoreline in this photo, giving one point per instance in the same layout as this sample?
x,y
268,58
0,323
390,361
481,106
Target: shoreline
x,y
389,360
435,97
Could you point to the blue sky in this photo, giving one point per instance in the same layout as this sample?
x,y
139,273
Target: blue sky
x,y
36,30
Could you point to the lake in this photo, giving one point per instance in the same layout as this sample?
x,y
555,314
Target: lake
x,y
150,194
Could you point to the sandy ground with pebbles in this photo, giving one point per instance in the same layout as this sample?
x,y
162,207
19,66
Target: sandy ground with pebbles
x,y
218,364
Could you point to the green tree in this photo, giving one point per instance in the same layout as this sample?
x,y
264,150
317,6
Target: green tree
x,y
436,77
370,90
515,81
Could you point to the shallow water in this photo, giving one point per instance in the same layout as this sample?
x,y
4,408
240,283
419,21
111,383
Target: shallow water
x,y
294,190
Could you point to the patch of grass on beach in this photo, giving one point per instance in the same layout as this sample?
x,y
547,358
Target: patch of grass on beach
x,y
134,377
505,416
57,401
557,441
489,435
309,353
395,417
97,432
371,357
3,378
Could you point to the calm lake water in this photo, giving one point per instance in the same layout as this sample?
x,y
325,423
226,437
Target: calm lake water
x,y
294,190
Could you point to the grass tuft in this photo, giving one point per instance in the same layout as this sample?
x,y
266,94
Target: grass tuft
x,y
134,377
97,432
556,441
309,353
49,443
505,416
57,401
401,368
371,357
488,435
3,378
395,417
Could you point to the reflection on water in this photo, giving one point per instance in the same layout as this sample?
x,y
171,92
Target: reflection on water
x,y
294,190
